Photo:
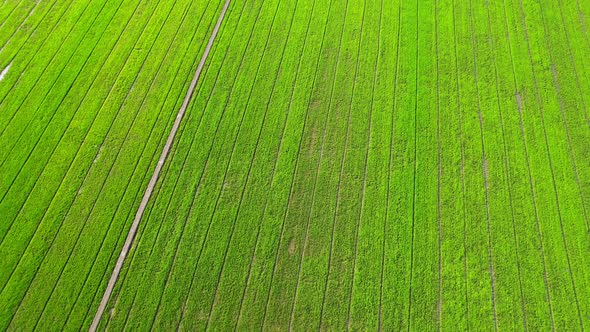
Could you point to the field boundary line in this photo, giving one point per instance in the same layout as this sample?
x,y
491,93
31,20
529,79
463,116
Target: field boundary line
x,y
155,176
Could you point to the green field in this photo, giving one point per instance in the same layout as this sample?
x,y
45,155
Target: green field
x,y
342,165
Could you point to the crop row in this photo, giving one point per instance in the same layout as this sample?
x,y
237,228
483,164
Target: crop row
x,y
355,164
77,156
365,164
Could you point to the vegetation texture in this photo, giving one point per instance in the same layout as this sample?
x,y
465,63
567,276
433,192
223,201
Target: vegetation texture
x,y
343,165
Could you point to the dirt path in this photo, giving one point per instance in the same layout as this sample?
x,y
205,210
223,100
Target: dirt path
x,y
148,192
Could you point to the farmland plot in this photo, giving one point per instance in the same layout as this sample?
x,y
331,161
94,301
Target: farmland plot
x,y
362,164
82,122
342,165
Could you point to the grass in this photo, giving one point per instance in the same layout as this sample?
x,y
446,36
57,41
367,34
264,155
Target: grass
x,y
105,129
343,165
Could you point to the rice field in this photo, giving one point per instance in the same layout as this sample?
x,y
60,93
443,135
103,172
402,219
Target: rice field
x,y
342,165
